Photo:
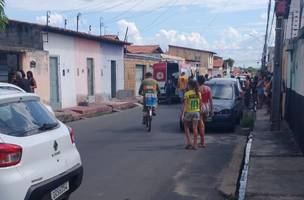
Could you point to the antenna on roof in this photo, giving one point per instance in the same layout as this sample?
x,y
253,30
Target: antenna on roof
x,y
65,23
78,17
126,35
48,13
105,30
101,25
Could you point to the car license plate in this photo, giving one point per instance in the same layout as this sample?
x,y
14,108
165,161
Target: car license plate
x,y
55,194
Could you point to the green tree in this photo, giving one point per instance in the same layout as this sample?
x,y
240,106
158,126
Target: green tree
x,y
3,19
229,62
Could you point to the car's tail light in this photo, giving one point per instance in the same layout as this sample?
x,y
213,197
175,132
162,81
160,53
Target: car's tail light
x,y
10,155
72,136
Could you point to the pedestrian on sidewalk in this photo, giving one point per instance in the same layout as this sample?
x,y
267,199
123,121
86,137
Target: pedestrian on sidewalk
x,y
191,113
247,88
32,81
206,107
260,92
267,92
22,82
12,78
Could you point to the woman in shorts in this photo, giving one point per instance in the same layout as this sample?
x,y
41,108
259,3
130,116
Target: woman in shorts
x,y
191,112
206,107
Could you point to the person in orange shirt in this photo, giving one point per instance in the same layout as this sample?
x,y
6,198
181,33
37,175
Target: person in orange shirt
x,y
182,85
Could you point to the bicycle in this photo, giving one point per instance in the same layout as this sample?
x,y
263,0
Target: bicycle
x,y
150,104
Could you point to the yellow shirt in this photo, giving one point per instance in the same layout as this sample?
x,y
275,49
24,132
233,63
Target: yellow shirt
x,y
182,82
192,101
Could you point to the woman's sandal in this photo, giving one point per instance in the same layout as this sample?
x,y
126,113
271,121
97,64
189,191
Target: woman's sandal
x,y
189,146
202,146
194,148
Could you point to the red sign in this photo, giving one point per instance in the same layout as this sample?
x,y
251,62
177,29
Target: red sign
x,y
282,8
160,72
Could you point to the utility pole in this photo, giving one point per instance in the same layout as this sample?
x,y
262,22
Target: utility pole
x,y
78,17
281,12
266,38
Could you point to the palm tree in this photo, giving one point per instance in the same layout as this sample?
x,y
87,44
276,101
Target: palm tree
x,y
3,19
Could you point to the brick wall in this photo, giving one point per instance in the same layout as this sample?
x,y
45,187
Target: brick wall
x,y
130,71
40,72
21,35
204,58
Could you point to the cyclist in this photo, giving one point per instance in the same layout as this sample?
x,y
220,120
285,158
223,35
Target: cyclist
x,y
148,85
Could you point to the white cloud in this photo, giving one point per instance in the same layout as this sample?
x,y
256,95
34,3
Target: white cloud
x,y
244,47
55,19
133,32
119,5
193,40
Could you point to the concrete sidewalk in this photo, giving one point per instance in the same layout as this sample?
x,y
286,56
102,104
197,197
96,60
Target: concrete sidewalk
x,y
80,112
276,169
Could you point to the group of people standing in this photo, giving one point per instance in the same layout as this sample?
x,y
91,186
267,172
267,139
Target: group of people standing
x,y
197,107
26,81
258,88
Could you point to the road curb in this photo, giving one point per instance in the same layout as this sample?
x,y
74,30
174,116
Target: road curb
x,y
71,116
244,174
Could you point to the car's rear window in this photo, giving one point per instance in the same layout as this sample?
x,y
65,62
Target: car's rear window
x,y
221,91
25,118
4,90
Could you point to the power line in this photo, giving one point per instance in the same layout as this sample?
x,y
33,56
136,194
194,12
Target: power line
x,y
169,17
142,15
218,14
128,10
160,15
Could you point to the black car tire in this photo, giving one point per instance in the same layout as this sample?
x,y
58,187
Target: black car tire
x,y
231,128
67,197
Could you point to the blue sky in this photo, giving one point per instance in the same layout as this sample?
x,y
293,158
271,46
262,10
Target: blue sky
x,y
232,28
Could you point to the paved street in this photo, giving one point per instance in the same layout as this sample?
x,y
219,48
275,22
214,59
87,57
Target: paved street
x,y
122,161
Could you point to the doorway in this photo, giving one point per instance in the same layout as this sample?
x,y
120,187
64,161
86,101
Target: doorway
x,y
113,79
54,83
90,78
139,76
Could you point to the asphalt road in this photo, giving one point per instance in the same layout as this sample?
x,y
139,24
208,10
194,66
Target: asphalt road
x,y
124,162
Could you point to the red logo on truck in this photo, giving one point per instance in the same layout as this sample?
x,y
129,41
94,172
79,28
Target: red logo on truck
x,y
160,71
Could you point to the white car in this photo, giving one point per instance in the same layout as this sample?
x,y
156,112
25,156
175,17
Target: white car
x,y
38,156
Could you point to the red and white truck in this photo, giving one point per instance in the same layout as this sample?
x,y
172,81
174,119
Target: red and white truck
x,y
164,71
